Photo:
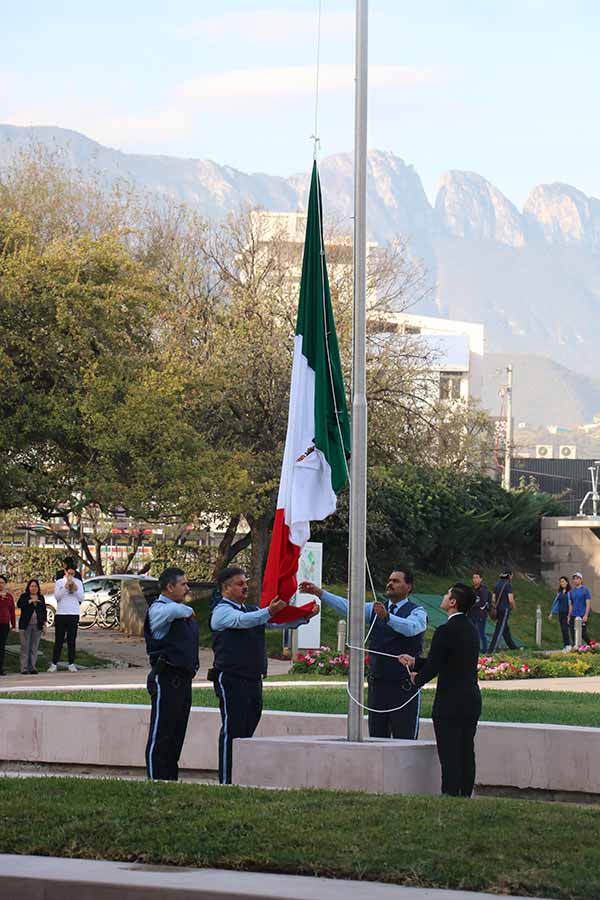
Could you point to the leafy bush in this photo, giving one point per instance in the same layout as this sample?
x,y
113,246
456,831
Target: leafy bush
x,y
22,563
198,562
437,520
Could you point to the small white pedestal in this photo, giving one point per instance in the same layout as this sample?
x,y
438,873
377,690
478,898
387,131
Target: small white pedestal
x,y
376,766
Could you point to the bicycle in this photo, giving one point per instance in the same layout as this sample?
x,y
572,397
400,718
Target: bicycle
x,y
109,612
89,616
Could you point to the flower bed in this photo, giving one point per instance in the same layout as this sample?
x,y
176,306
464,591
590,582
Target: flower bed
x,y
323,662
584,660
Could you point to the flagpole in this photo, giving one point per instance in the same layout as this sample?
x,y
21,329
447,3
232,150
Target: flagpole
x,y
358,489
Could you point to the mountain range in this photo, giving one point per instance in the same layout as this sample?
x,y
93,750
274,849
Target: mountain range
x,y
531,276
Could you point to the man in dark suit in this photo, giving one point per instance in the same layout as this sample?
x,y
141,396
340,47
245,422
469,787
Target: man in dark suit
x,y
453,658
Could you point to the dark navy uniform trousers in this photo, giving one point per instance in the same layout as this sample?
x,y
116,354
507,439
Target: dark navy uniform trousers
x,y
171,697
240,702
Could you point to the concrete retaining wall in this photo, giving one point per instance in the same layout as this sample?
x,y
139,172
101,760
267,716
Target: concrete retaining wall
x,y
571,547
544,757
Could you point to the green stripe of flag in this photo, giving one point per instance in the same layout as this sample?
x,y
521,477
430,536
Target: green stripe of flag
x,y
315,313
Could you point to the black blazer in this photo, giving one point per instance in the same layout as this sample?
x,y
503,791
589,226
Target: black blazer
x,y
27,609
453,657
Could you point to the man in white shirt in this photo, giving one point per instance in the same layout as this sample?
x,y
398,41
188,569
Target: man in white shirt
x,y
68,592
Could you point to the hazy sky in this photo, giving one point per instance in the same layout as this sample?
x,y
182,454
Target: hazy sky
x,y
510,90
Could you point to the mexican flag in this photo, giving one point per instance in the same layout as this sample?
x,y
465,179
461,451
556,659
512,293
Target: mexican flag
x,y
318,432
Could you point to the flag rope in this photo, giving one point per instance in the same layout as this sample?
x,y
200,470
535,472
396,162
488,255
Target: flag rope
x,y
339,428
393,709
369,708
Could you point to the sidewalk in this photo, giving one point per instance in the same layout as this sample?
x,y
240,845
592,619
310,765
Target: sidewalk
x,y
105,679
31,877
116,679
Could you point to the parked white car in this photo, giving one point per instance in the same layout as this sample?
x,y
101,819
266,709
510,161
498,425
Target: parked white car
x,y
99,588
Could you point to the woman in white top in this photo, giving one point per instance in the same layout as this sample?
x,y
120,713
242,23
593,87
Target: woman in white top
x,y
68,592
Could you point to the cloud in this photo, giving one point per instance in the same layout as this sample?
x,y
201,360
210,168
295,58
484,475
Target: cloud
x,y
267,27
300,81
191,106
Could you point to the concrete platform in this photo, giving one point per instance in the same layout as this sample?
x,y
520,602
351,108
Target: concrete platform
x,y
48,878
315,761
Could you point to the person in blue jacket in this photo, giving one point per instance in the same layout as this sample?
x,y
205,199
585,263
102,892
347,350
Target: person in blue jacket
x,y
396,626
560,608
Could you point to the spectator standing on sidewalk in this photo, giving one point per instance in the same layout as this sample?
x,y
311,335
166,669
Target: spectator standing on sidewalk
x,y
31,624
503,601
580,605
560,607
480,609
8,618
68,592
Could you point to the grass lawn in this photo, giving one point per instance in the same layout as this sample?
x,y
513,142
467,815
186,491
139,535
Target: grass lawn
x,y
552,708
501,846
11,658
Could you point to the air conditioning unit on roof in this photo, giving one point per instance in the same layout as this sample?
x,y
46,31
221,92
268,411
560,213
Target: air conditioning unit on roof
x,y
567,451
543,451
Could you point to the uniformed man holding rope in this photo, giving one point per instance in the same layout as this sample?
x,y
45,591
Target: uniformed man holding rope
x,y
396,623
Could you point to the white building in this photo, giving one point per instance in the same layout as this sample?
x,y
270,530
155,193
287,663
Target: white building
x,y
456,350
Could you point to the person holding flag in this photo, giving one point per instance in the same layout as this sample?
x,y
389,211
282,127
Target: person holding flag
x,y
396,625
240,663
317,444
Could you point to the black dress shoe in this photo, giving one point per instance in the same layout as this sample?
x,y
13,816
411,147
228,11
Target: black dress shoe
x,y
33,671
2,672
24,672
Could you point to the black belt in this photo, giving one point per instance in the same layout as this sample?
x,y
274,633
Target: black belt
x,y
160,665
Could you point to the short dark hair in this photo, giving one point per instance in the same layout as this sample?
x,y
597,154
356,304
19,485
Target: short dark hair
x,y
408,575
464,596
230,572
69,562
169,576
4,578
476,572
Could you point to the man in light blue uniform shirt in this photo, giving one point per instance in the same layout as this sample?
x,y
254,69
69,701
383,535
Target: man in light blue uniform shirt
x,y
396,623
240,659
171,633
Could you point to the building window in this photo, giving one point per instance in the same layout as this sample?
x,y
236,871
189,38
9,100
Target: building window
x,y
450,385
